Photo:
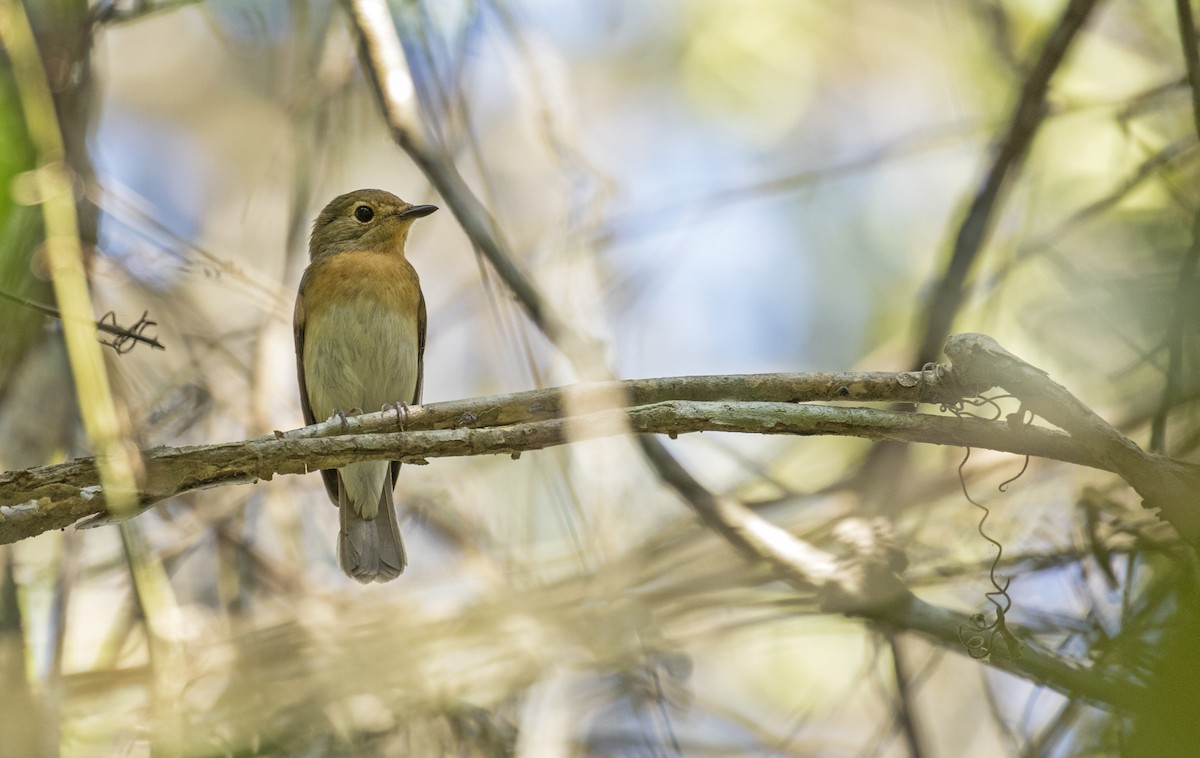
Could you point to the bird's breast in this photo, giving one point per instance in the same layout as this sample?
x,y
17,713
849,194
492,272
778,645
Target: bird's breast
x,y
360,334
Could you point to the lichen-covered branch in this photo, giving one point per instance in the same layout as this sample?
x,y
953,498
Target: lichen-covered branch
x,y
52,497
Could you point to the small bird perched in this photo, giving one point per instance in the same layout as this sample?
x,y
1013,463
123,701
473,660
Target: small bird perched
x,y
360,344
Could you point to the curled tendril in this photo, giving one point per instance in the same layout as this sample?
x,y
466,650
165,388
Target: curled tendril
x,y
979,636
958,408
1004,485
981,401
1023,417
936,369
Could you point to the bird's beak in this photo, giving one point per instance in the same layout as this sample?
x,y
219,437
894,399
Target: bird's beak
x,y
417,211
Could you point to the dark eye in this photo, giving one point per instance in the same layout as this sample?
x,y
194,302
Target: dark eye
x,y
364,213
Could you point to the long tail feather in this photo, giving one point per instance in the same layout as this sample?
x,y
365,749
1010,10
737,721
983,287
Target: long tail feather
x,y
370,550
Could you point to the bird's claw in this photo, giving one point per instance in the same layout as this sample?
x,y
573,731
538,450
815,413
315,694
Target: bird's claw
x,y
401,409
343,416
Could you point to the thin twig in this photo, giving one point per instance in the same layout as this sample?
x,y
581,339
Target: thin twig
x,y
124,337
905,703
1191,53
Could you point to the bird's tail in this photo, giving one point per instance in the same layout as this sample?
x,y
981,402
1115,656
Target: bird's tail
x,y
370,550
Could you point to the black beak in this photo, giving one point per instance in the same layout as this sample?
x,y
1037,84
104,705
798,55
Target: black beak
x,y
417,211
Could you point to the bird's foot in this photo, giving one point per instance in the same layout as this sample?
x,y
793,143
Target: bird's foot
x,y
401,409
343,416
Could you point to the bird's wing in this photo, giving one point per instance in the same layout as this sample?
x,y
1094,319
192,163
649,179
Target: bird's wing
x,y
421,321
329,475
420,351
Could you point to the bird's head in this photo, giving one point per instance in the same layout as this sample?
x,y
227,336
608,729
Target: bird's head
x,y
368,220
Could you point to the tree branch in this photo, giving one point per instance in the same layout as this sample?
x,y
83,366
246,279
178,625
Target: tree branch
x,y
1164,483
52,497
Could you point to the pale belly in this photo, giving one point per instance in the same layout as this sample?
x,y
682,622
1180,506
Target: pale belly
x,y
359,356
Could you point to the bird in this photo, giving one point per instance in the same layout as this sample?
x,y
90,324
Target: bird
x,y
359,326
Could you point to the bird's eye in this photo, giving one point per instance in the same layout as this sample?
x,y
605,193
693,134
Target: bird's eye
x,y
364,213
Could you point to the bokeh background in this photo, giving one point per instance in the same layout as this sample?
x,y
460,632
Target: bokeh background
x,y
707,186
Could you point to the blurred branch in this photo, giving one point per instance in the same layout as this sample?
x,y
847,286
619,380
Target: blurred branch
x,y
865,585
646,219
1191,54
1185,289
1030,662
384,62
1185,299
1171,156
140,213
1011,150
905,698
994,18
64,253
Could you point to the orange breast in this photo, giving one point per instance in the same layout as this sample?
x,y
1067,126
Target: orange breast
x,y
378,278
